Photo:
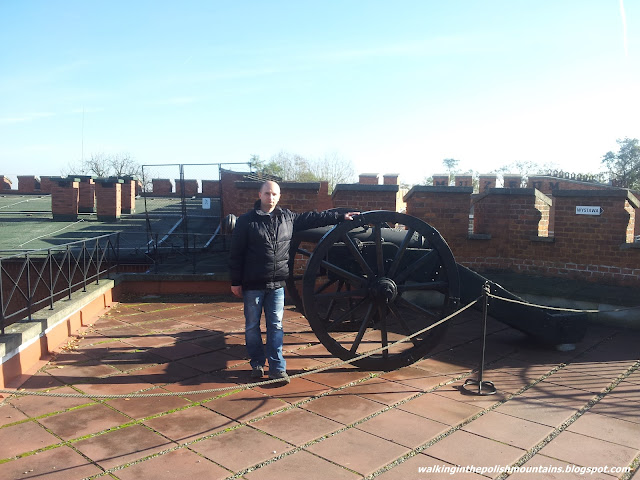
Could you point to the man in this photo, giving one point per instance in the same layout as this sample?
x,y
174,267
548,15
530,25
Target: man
x,y
259,265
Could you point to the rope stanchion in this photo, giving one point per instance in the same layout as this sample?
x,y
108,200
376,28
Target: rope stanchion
x,y
483,387
245,386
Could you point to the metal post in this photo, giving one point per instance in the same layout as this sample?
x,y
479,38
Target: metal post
x,y
194,253
84,266
51,295
28,260
117,252
183,202
69,270
98,261
221,193
479,384
1,300
156,254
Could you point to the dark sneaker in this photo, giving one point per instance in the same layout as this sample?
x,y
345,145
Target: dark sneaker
x,y
280,376
257,372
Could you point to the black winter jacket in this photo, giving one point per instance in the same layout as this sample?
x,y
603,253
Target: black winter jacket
x,y
259,256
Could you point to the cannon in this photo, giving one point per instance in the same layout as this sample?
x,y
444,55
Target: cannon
x,y
386,275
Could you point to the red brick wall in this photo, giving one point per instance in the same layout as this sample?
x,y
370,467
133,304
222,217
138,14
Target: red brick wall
x,y
463,181
364,198
64,199
28,184
511,228
440,180
369,179
128,199
390,179
543,205
444,208
210,188
190,187
324,199
518,230
108,200
512,181
593,247
548,185
298,197
485,182
230,194
162,186
45,184
511,217
87,195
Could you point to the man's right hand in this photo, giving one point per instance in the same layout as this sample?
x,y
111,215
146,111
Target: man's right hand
x,y
237,290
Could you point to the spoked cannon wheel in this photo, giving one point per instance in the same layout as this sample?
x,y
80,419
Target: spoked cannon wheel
x,y
376,279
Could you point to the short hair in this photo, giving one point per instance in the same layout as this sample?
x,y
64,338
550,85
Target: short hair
x,y
265,183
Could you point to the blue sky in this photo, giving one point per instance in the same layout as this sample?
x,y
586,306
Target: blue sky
x,y
394,87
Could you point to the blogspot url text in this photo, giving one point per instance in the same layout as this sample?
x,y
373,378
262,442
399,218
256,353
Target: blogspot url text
x,y
569,468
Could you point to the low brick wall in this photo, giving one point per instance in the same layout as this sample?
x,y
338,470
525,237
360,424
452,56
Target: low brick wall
x,y
362,197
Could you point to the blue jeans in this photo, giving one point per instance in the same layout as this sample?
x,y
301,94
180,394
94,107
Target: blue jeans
x,y
272,301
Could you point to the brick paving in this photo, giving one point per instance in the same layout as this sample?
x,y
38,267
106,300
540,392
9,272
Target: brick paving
x,y
552,409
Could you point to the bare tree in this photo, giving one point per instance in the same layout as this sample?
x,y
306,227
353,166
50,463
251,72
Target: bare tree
x,y
334,169
123,165
293,167
103,165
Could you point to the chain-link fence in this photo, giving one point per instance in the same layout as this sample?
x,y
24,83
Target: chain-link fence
x,y
183,208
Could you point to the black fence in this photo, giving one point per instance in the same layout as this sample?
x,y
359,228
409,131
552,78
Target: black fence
x,y
35,279
183,217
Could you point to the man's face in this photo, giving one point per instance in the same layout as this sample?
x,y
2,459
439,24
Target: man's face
x,y
269,196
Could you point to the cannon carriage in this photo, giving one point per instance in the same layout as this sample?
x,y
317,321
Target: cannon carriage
x,y
370,282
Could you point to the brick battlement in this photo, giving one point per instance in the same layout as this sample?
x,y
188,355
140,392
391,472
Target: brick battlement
x,y
536,231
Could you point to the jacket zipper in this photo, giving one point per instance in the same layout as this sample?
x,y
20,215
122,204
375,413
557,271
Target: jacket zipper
x,y
274,244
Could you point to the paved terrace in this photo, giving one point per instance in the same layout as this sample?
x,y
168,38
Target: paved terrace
x,y
553,409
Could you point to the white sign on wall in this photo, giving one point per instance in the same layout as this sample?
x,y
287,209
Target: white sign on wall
x,y
206,203
586,210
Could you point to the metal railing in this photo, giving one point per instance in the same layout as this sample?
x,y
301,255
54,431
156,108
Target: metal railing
x,y
35,279
185,252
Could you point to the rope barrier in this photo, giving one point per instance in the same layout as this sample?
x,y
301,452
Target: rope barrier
x,y
560,309
248,385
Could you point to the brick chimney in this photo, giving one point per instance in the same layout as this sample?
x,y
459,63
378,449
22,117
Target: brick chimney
x,y
390,179
28,184
512,180
64,198
463,181
5,183
441,180
87,202
128,192
45,184
109,198
368,179
486,182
